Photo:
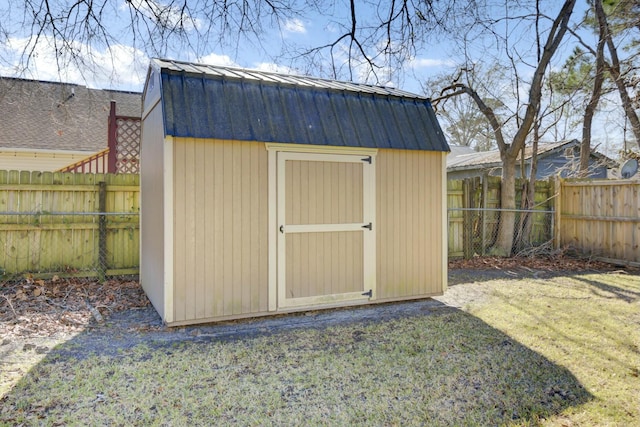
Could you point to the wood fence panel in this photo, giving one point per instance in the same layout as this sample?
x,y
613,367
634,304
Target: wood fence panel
x,y
49,225
601,218
473,232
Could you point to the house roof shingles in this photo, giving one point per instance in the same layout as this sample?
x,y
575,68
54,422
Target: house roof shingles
x,y
58,116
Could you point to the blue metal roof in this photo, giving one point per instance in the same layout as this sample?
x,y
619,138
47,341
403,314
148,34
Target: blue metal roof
x,y
204,101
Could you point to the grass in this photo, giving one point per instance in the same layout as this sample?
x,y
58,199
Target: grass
x,y
563,351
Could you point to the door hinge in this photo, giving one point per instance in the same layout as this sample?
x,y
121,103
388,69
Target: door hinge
x,y
367,159
369,226
369,293
282,229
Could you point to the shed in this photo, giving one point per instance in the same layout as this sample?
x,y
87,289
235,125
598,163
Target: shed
x,y
265,193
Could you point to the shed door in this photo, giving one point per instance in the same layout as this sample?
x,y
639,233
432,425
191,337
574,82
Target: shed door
x,y
326,229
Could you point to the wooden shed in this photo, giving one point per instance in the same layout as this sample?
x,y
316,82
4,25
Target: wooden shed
x,y
266,193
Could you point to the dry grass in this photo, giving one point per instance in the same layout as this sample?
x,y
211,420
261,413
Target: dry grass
x,y
561,351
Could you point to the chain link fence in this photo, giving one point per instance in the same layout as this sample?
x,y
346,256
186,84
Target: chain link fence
x,y
106,244
473,231
68,244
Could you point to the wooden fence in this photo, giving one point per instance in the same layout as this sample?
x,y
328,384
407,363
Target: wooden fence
x,y
68,223
88,224
600,218
473,213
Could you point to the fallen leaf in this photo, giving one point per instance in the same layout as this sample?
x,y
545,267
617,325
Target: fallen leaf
x,y
37,292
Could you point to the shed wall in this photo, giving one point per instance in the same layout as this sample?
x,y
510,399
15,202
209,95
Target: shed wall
x,y
409,213
152,268
220,228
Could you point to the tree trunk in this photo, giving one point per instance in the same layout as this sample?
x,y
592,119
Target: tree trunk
x,y
590,110
504,242
614,69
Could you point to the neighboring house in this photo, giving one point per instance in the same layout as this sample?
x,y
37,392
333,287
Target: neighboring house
x,y
45,126
558,158
265,193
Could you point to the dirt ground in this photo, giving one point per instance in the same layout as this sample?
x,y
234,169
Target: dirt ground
x,y
37,315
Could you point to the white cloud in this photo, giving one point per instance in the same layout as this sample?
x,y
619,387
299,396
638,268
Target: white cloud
x,y
215,59
119,67
295,26
430,63
166,15
274,68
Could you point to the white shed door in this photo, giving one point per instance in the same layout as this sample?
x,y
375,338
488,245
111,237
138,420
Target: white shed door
x,y
326,229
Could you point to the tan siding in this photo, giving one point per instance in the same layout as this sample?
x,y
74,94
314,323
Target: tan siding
x,y
409,215
152,210
220,228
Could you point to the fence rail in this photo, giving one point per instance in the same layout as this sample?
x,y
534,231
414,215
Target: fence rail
x,y
600,218
68,224
88,224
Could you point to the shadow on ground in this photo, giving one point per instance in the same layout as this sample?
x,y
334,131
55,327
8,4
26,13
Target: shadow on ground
x,y
409,363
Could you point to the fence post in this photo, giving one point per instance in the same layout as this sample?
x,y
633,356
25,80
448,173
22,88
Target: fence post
x,y
557,215
102,231
483,200
111,139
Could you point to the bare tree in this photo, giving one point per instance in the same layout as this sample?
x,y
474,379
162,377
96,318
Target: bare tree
x,y
509,151
73,29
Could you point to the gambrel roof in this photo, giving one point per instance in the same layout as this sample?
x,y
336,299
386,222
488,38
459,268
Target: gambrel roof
x,y
205,101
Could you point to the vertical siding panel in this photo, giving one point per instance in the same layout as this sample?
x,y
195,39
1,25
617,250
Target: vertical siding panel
x,y
190,229
247,245
179,229
235,183
200,229
208,230
262,232
313,238
228,229
218,228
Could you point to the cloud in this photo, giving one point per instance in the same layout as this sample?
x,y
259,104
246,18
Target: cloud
x,y
168,16
274,68
431,63
295,26
118,67
215,59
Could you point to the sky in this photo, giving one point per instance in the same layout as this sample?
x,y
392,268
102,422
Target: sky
x,y
124,65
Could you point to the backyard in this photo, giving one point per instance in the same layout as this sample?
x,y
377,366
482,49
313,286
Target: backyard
x,y
512,342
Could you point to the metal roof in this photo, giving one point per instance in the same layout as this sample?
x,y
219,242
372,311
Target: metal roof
x,y
491,159
206,101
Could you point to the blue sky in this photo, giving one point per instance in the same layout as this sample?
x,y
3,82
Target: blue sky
x,y
124,66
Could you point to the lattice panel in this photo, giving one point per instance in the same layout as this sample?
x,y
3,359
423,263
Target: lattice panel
x,y
128,145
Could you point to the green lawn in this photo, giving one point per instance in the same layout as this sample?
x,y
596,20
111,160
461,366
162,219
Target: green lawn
x,y
559,351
